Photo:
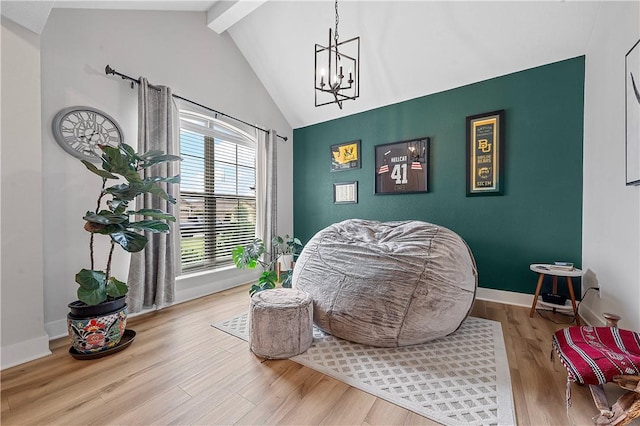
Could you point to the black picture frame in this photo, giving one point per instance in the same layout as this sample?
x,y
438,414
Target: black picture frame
x,y
345,192
345,156
632,115
402,167
485,153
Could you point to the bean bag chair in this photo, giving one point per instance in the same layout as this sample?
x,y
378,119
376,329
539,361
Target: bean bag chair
x,y
387,284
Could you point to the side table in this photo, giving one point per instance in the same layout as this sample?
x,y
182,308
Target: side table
x,y
545,269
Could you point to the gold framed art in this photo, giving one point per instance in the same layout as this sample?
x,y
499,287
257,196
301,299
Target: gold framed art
x,y
345,156
485,153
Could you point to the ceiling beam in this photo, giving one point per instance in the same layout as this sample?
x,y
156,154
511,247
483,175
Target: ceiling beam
x,y
32,15
225,14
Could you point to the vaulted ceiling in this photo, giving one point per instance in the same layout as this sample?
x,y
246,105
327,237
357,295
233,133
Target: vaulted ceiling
x,y
408,48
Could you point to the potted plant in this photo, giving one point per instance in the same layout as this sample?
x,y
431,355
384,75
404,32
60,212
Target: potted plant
x,y
288,247
97,320
255,254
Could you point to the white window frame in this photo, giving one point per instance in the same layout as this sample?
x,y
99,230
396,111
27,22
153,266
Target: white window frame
x,y
216,129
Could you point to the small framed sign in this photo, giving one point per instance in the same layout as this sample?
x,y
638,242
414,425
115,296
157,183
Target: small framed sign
x,y
402,167
485,152
632,115
345,156
345,192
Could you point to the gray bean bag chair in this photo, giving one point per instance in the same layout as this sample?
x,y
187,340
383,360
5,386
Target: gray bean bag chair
x,y
387,284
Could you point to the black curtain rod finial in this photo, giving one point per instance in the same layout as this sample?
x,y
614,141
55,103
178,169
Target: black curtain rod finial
x,y
108,70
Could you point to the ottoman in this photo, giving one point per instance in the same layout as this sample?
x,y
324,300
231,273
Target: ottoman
x,y
280,323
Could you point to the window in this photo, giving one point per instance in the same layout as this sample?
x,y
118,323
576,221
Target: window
x,y
217,191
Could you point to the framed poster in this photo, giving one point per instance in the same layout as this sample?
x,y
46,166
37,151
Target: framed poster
x,y
632,114
402,167
485,153
345,156
345,192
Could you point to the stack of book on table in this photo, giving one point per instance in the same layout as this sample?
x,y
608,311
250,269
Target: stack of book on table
x,y
562,266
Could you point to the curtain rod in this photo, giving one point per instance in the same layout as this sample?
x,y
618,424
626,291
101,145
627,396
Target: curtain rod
x,y
108,70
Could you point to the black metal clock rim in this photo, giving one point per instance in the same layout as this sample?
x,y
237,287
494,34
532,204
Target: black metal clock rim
x,y
57,133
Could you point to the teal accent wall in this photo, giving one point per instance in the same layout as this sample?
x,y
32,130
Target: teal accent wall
x,y
539,217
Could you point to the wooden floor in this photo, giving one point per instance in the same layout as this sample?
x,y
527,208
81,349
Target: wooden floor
x,y
180,370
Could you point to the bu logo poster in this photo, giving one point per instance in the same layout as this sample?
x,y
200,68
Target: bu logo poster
x,y
402,167
485,145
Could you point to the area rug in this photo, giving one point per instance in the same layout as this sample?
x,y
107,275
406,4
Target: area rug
x,y
461,379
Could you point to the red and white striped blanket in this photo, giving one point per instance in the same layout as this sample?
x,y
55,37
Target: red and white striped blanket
x,y
593,355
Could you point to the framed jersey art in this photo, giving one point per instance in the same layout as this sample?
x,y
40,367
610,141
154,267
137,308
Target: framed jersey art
x,y
402,167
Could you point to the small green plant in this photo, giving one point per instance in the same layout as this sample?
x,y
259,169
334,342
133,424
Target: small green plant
x,y
116,221
255,254
287,244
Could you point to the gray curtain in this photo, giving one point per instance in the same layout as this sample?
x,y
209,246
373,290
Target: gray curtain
x,y
267,187
152,271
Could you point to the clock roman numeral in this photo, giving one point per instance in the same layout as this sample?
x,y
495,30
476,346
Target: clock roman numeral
x,y
91,116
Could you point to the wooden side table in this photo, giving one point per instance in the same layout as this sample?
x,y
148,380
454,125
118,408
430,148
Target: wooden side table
x,y
545,269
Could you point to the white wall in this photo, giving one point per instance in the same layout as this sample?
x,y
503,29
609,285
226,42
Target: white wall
x,y
23,337
35,289
611,221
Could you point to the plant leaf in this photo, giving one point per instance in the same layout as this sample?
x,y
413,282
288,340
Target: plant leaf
x,y
92,297
287,282
116,288
156,190
129,240
102,173
172,179
154,213
150,160
123,191
255,288
130,151
268,278
155,226
105,217
248,256
151,153
89,279
131,175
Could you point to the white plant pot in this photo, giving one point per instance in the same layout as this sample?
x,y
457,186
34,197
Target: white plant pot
x,y
285,261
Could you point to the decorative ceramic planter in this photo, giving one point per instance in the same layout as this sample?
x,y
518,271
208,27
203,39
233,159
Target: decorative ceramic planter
x,y
93,334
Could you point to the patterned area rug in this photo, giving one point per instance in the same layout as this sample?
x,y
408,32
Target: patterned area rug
x,y
461,379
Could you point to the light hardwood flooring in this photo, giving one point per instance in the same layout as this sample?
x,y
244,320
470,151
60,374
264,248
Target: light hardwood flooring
x,y
180,370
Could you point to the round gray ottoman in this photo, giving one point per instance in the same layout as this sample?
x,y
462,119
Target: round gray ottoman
x,y
387,284
280,323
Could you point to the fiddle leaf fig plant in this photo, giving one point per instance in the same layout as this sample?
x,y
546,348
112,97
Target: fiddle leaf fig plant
x,y
113,218
253,254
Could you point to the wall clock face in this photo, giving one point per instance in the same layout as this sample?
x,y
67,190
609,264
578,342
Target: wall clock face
x,y
80,129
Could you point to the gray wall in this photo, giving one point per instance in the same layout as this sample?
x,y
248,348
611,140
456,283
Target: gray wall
x,y
611,221
23,336
169,48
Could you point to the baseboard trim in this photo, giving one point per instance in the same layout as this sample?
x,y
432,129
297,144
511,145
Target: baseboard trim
x,y
56,329
505,297
26,351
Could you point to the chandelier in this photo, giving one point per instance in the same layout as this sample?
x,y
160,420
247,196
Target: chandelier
x,y
337,69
